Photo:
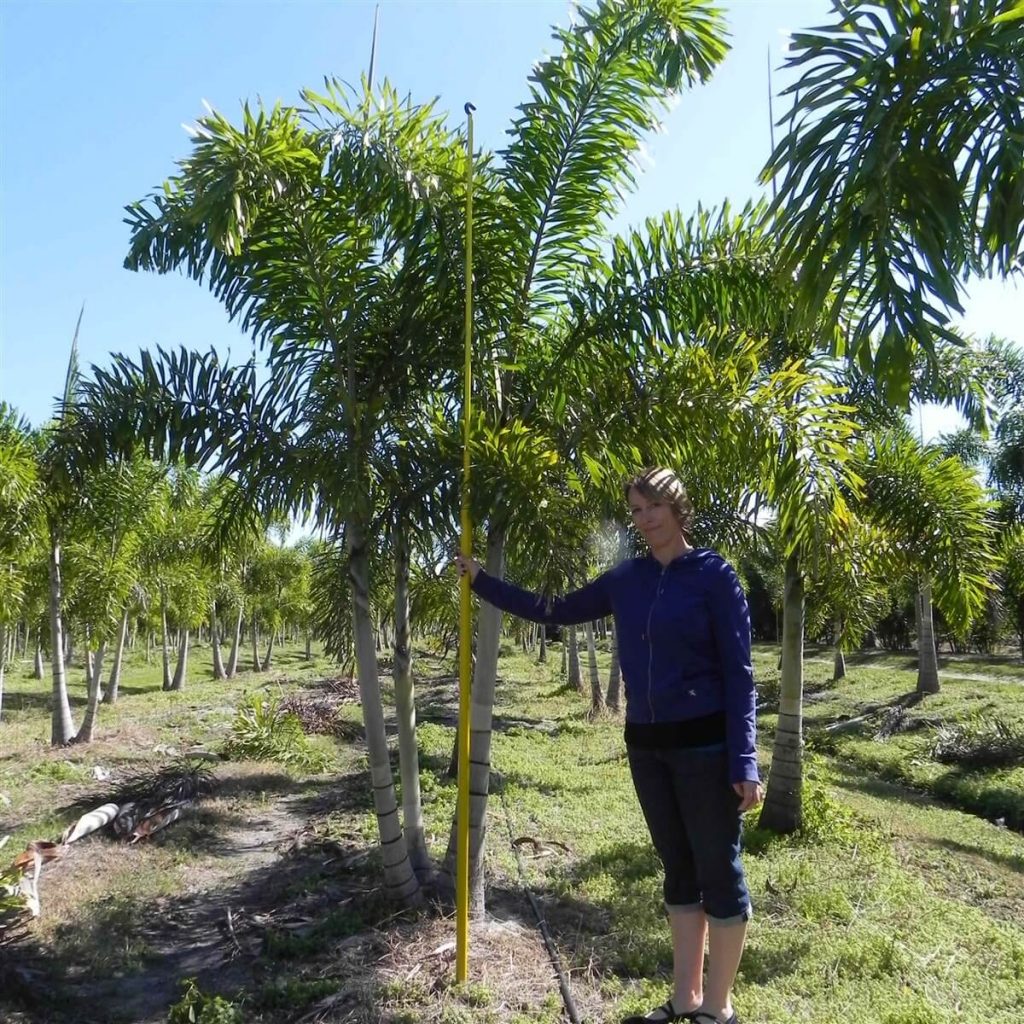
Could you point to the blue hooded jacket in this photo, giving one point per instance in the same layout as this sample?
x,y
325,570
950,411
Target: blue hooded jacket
x,y
683,632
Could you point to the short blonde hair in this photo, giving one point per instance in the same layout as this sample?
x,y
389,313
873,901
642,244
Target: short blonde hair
x,y
657,483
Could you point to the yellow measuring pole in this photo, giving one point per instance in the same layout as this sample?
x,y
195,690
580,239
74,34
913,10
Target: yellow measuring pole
x,y
465,605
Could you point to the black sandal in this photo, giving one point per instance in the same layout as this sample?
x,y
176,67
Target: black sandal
x,y
703,1017
670,1016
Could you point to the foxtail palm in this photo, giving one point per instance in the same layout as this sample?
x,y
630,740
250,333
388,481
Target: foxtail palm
x,y
900,172
939,520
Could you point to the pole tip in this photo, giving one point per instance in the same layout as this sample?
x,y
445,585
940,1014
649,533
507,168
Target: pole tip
x,y
469,108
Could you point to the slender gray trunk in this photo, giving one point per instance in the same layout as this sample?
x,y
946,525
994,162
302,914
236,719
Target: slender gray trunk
x,y
399,876
236,642
543,656
927,655
181,672
309,646
405,712
94,679
62,728
166,651
783,808
481,714
839,666
3,665
575,676
88,653
256,666
218,664
563,668
614,698
37,670
596,690
114,684
268,660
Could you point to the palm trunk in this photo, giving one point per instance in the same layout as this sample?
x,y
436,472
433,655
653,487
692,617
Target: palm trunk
x,y
596,691
88,654
37,669
485,675
3,665
95,676
267,661
62,728
399,876
181,672
405,711
565,647
256,666
783,809
575,676
542,657
235,644
839,666
218,663
166,651
614,698
927,656
110,697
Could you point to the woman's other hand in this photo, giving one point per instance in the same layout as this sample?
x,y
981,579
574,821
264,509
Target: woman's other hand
x,y
749,793
467,564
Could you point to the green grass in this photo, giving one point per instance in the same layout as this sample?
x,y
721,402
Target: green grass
x,y
889,909
847,926
907,756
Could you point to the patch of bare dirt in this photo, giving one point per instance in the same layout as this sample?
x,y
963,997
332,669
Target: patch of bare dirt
x,y
250,890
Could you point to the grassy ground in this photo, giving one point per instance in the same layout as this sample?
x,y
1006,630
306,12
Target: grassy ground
x,y
892,908
850,720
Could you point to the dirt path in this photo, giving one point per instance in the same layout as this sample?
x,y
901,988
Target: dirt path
x,y
257,876
247,853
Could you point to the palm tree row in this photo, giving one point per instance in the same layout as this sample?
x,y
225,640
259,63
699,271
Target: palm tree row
x,y
139,558
333,231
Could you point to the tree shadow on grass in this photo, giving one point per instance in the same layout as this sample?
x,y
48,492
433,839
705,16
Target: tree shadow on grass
x,y
17,700
1007,860
447,715
994,803
622,933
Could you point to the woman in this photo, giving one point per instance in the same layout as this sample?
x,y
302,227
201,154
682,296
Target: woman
x,y
683,630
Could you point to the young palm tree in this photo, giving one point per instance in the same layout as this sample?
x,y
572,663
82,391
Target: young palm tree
x,y
940,524
19,482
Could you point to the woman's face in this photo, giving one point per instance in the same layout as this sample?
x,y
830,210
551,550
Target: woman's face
x,y
654,519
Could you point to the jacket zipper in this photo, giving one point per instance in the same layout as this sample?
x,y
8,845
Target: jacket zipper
x,y
650,643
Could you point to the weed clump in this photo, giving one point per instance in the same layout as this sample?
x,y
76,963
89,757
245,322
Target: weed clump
x,y
995,743
263,731
825,822
196,1007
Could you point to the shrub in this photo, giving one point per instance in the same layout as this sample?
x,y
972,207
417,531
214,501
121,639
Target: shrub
x,y
262,731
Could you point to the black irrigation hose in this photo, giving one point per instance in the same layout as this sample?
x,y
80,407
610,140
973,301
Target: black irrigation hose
x,y
556,962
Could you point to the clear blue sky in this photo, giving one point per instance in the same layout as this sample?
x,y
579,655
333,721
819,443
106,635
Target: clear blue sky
x,y
93,96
